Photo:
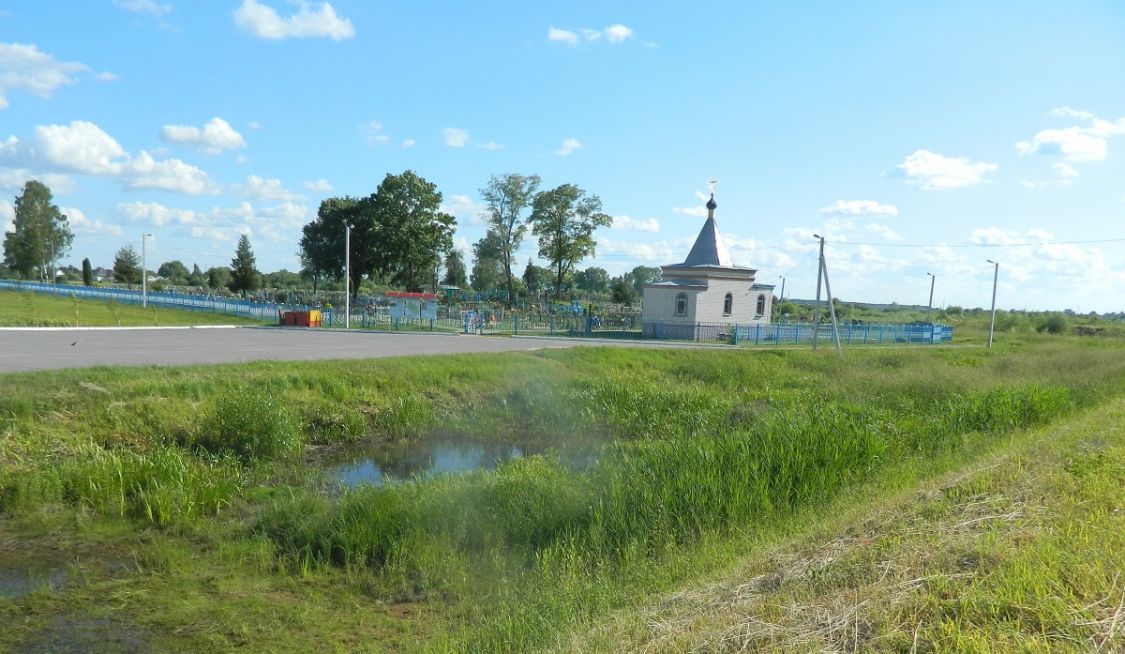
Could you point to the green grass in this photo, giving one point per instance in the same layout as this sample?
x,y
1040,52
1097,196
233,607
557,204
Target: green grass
x,y
25,309
711,455
1021,552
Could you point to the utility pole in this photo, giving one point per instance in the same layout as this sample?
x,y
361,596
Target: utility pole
x,y
144,269
930,304
782,287
816,311
995,278
831,307
347,276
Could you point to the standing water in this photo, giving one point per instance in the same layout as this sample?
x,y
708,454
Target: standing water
x,y
379,463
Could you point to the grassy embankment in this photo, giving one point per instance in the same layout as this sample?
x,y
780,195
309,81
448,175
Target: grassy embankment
x,y
23,309
199,479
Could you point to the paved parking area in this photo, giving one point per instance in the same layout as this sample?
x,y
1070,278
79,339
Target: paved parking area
x,y
45,349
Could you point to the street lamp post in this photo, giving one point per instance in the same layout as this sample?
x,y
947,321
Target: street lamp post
x,y
930,304
347,276
995,278
144,269
782,301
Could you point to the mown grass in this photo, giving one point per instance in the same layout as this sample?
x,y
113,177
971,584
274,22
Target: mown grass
x,y
26,309
709,451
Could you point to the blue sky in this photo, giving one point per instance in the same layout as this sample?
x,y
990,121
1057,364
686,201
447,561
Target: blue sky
x,y
917,137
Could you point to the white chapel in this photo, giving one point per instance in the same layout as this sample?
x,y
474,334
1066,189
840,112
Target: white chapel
x,y
706,288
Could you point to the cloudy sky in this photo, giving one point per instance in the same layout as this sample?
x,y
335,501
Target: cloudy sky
x,y
917,137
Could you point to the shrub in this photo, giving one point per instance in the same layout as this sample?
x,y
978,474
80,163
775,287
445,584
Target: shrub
x,y
251,424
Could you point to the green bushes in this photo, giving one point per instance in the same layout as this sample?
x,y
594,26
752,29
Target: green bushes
x,y
251,424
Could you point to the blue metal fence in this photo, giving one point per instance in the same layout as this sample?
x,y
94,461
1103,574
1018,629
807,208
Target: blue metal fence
x,y
163,299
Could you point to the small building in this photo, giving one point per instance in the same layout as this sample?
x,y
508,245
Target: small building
x,y
706,289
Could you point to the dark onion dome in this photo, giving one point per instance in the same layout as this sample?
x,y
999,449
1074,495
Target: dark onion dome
x,y
711,203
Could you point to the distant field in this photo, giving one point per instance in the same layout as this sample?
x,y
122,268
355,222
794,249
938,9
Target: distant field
x,y
35,310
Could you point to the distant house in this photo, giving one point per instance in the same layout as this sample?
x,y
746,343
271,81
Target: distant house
x,y
706,288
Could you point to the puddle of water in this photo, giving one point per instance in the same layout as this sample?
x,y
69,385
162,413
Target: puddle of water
x,y
380,463
78,635
19,582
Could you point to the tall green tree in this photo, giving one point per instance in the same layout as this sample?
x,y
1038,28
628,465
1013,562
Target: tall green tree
x,y
507,198
641,276
455,270
622,290
87,273
535,278
218,277
197,277
592,280
41,234
404,230
323,239
244,274
488,271
174,271
127,266
564,219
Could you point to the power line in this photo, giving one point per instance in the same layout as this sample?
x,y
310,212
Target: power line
x,y
979,245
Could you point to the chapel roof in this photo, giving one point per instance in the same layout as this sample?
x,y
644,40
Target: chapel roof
x,y
710,250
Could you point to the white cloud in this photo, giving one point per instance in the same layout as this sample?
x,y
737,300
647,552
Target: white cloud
x,y
1072,143
614,34
695,212
1067,112
931,171
105,76
28,68
625,223
13,179
168,174
276,223
455,138
267,189
320,20
214,137
408,143
254,125
883,230
860,208
568,147
1065,169
372,132
83,225
618,33
80,146
7,217
465,208
320,186
143,7
562,36
83,147
159,215
491,145
660,251
1075,143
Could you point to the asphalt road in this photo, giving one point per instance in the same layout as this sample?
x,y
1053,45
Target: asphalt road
x,y
22,350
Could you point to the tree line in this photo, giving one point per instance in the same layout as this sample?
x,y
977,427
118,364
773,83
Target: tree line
x,y
399,234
